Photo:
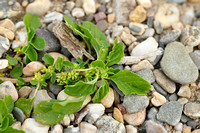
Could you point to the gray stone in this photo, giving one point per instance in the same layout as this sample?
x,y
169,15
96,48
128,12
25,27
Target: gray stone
x,y
122,9
170,112
192,124
158,27
134,103
149,32
173,97
159,89
54,88
53,16
177,64
184,118
87,128
102,25
9,9
190,36
52,43
177,1
196,58
24,91
106,124
147,74
153,127
18,114
188,16
150,20
4,45
71,130
179,126
170,37
192,110
65,51
152,114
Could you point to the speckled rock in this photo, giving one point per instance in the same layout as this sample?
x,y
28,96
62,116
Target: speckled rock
x,y
184,91
178,65
153,127
192,110
87,128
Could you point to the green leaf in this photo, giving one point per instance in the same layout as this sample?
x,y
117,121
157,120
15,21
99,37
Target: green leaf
x,y
38,43
31,21
34,82
24,49
46,115
27,60
4,124
103,54
81,63
48,59
32,54
112,70
59,64
9,103
69,64
129,82
81,88
68,106
47,75
10,118
12,130
98,63
53,78
12,61
101,92
25,105
116,54
17,71
21,82
3,108
30,34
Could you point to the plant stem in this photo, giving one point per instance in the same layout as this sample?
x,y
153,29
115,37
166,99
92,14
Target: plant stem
x,y
36,90
14,80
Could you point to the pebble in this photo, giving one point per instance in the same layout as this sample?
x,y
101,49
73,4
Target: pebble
x,y
135,119
96,110
177,1
89,6
70,5
56,129
153,127
144,64
18,114
173,97
41,95
186,129
3,64
149,32
118,115
158,99
81,114
4,45
108,100
158,27
184,91
32,67
122,9
170,37
159,89
42,5
131,129
170,112
17,125
7,33
195,56
31,126
102,25
87,128
190,36
136,28
177,25
178,65
192,124
117,30
183,100
145,47
145,3
179,126
52,43
71,130
188,16
147,75
192,110
152,114
78,12
138,15
10,10
55,56
167,14
24,91
66,121
8,24
164,82
50,17
106,124
196,131
99,16
121,108
134,103
111,17
8,88
127,38
54,88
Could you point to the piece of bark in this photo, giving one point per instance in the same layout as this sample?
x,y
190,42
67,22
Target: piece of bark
x,y
67,40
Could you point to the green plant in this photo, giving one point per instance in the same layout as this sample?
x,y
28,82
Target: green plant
x,y
32,44
6,119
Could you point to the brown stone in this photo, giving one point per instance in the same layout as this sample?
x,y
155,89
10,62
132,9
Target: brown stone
x,y
111,17
187,129
8,24
118,115
7,33
24,91
138,15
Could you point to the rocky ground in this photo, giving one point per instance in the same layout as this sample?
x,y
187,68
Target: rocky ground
x,y
162,45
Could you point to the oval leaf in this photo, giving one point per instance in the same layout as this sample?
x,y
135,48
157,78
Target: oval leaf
x,y
17,72
32,54
48,59
38,43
